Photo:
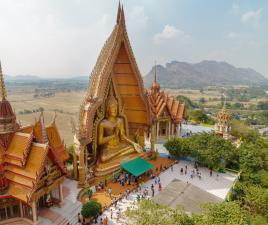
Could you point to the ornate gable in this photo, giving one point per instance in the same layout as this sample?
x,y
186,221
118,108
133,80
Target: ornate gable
x,y
116,65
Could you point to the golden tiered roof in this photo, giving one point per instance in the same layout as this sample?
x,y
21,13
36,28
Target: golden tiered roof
x,y
25,159
159,101
24,156
223,116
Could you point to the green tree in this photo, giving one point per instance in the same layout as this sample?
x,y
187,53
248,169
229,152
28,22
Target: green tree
x,y
206,148
150,213
242,130
225,213
91,209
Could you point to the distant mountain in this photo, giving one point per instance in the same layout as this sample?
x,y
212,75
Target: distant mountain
x,y
22,78
206,73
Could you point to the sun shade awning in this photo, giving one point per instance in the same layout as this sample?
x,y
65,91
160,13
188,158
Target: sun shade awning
x,y
137,166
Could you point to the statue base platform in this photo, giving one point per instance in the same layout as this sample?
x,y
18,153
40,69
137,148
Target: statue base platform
x,y
103,169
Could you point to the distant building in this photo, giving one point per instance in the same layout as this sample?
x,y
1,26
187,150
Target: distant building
x,y
32,165
167,112
223,125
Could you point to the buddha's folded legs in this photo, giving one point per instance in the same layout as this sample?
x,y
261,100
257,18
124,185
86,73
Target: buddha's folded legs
x,y
109,154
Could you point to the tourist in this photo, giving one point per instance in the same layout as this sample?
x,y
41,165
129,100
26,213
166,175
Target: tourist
x,y
79,218
110,192
105,221
159,186
210,173
181,171
155,180
171,168
158,179
217,177
111,213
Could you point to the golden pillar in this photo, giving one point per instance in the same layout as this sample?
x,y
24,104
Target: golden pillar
x,y
21,210
152,139
34,212
75,164
81,168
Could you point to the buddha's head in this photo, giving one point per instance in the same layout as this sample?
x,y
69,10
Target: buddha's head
x,y
112,106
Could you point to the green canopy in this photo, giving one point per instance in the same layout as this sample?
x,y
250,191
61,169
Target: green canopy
x,y
137,166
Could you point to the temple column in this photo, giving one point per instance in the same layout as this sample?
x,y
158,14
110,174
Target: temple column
x,y
152,138
178,130
82,170
169,129
21,209
157,130
172,129
60,195
34,212
75,164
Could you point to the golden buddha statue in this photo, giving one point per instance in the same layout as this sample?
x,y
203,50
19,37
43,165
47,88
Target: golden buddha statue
x,y
112,140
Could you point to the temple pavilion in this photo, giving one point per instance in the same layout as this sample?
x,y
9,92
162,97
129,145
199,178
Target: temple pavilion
x,y
32,165
223,124
118,116
167,113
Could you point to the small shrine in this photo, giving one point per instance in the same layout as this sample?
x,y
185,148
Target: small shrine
x,y
167,113
32,165
223,126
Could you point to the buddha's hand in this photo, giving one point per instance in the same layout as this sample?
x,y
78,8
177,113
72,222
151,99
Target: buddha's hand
x,y
137,147
117,131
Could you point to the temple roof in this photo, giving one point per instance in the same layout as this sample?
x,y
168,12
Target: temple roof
x,y
159,101
115,62
24,150
25,159
223,116
8,122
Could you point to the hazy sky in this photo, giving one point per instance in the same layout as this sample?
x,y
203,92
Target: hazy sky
x,y
62,38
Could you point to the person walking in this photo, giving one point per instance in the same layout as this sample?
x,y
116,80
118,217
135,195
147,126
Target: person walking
x,y
110,192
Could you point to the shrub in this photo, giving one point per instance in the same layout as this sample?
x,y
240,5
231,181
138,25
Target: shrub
x,y
91,209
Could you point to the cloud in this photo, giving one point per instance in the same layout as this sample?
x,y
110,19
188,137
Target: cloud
x,y
170,32
252,17
233,35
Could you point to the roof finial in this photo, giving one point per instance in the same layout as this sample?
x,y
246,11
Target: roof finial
x,y
118,12
224,103
155,71
3,92
122,17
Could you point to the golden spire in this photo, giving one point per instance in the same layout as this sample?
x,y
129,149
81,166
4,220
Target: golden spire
x,y
3,92
155,71
122,14
118,13
224,103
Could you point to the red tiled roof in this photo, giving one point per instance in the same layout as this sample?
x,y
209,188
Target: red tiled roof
x,y
158,101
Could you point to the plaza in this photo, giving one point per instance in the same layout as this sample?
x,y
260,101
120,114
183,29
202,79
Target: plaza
x,y
217,187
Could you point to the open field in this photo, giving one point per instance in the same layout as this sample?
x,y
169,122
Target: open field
x,y
26,98
66,104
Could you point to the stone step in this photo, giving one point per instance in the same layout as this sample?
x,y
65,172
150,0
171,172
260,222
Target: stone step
x,y
76,208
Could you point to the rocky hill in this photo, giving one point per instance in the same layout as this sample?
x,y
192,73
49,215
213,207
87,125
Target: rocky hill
x,y
206,73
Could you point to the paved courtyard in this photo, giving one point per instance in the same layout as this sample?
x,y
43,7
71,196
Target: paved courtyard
x,y
217,186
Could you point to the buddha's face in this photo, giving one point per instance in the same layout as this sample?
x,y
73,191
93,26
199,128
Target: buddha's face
x,y
112,110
